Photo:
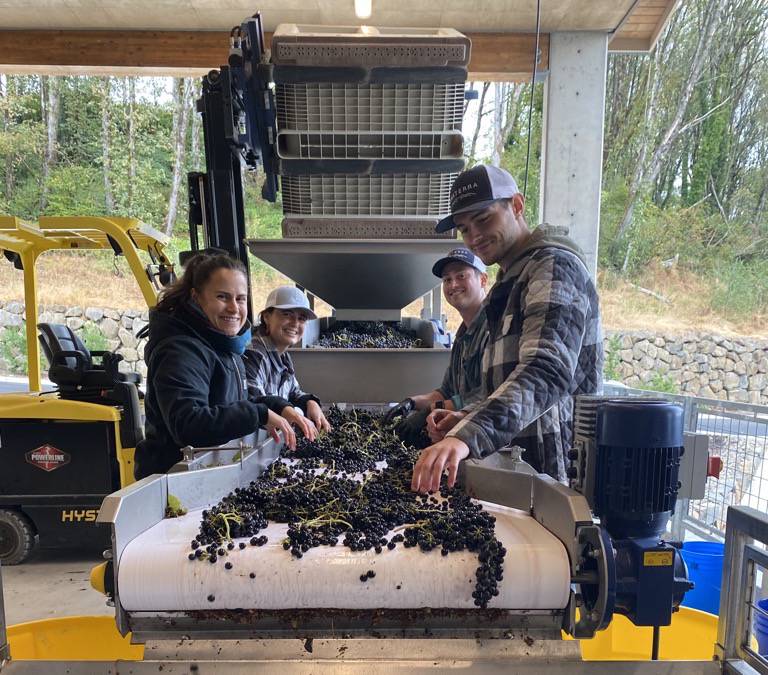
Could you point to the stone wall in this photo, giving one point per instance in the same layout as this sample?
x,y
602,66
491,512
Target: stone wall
x,y
698,364
118,328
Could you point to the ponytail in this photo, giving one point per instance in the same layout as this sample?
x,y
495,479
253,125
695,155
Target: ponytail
x,y
262,328
197,272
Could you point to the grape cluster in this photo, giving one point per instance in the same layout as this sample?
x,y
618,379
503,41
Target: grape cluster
x,y
368,334
351,487
354,445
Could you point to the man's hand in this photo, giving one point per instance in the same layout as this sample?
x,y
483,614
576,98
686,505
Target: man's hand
x,y
440,422
410,429
315,413
434,460
400,410
305,424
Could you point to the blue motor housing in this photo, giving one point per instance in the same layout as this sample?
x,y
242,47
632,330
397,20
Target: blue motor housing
x,y
639,444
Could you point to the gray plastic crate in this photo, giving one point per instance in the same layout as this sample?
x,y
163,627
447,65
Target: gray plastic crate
x,y
345,107
362,228
377,145
421,196
305,45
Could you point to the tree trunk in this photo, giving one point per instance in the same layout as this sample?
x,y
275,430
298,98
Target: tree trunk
x,y
196,126
499,100
131,109
106,156
467,101
480,113
181,119
51,119
761,202
5,100
643,174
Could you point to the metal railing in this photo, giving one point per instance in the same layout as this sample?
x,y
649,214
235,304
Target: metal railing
x,y
738,434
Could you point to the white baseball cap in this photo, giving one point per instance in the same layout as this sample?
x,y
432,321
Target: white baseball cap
x,y
289,297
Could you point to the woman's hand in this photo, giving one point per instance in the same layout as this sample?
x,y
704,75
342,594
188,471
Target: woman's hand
x,y
440,422
276,423
315,413
306,425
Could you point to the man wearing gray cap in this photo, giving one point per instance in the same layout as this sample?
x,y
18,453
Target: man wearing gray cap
x,y
464,282
544,336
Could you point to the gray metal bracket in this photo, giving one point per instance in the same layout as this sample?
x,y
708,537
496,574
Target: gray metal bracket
x,y
745,527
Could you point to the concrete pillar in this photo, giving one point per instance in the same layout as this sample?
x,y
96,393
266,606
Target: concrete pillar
x,y
572,137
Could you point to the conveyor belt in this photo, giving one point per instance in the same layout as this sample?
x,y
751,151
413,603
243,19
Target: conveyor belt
x,y
155,574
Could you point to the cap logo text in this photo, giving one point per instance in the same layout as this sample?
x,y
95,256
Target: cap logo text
x,y
461,189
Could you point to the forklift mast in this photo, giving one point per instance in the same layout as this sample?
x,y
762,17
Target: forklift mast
x,y
237,111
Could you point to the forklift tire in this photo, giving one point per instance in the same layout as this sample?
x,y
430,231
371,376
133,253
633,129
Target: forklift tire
x,y
17,537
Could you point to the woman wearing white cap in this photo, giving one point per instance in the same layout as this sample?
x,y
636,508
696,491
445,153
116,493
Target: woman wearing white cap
x,y
269,367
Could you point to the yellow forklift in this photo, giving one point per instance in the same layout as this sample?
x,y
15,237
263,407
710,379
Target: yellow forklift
x,y
63,451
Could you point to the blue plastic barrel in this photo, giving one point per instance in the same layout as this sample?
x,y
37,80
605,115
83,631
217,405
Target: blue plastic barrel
x,y
705,568
761,628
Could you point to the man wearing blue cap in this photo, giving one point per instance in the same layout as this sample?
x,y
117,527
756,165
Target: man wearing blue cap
x,y
544,336
464,282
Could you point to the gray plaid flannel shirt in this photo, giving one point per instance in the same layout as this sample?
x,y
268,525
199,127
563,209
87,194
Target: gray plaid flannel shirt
x,y
269,373
544,347
463,380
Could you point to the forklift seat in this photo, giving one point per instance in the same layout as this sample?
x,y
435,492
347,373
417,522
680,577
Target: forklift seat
x,y
72,365
73,371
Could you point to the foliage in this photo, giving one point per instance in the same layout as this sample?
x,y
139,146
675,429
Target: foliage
x,y
75,190
661,383
686,156
13,349
76,180
740,289
685,170
263,219
612,359
93,338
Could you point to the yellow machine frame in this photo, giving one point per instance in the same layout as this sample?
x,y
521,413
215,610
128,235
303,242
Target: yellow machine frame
x,y
69,233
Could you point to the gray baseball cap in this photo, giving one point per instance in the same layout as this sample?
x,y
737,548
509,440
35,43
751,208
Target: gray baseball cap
x,y
460,255
289,297
476,189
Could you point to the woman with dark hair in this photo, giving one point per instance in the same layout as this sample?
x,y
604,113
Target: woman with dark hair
x,y
267,362
196,385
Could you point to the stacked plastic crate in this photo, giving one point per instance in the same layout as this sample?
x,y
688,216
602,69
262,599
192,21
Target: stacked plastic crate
x,y
368,128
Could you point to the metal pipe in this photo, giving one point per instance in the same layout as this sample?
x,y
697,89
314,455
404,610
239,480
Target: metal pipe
x,y
5,652
655,646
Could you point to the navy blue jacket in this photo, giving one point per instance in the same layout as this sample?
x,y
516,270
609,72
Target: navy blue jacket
x,y
196,392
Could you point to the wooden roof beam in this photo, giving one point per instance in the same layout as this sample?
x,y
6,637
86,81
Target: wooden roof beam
x,y
495,56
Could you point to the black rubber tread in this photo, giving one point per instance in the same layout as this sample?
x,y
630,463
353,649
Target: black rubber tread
x,y
20,527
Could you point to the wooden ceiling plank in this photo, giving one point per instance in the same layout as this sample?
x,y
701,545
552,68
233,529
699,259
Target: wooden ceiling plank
x,y
628,44
662,22
645,12
647,27
497,56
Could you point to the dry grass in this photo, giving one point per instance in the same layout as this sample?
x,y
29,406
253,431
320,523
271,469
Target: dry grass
x,y
624,307
94,280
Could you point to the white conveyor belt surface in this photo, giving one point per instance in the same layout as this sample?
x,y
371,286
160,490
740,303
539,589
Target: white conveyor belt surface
x,y
156,575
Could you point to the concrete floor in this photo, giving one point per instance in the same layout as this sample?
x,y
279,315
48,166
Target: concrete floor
x,y
52,584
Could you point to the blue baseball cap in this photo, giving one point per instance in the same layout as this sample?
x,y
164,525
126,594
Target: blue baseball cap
x,y
462,255
476,189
